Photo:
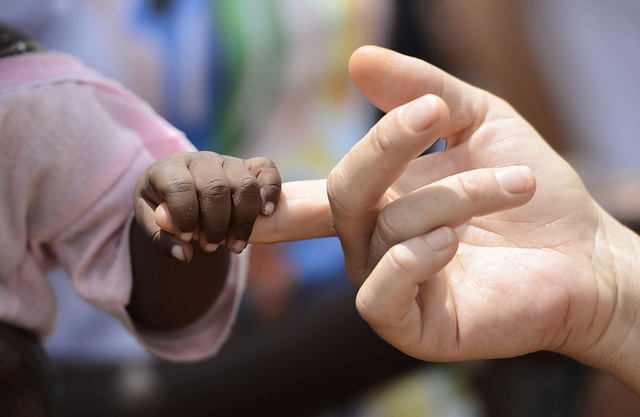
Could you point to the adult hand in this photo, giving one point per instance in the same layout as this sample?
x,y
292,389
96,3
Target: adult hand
x,y
447,277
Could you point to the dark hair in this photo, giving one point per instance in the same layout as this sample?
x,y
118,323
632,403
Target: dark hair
x,y
14,41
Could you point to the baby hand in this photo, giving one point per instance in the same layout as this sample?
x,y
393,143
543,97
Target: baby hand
x,y
215,198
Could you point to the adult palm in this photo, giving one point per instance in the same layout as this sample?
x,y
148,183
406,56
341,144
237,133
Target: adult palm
x,y
531,271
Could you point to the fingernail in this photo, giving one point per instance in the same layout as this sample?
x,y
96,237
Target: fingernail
x,y
516,179
186,237
211,247
178,252
439,239
267,210
420,114
238,246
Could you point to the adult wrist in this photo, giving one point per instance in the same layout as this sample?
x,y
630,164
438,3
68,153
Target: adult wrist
x,y
615,348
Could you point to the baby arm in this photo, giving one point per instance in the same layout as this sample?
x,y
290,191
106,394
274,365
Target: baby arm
x,y
214,197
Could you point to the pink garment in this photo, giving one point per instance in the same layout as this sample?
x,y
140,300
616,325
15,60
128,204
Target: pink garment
x,y
72,146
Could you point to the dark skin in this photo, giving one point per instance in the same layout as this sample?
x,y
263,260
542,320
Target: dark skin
x,y
169,294
211,202
212,197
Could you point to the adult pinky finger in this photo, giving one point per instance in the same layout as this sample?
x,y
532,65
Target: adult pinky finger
x,y
387,299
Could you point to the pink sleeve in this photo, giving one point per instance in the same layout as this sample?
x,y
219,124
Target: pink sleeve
x,y
202,338
73,179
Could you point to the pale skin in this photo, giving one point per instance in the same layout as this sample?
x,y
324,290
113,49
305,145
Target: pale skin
x,y
490,249
557,273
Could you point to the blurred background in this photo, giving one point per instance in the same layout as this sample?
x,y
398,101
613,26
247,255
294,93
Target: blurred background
x,y
269,78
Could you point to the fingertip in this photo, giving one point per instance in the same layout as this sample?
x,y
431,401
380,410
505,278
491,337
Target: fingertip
x,y
364,53
440,239
238,246
211,247
357,53
178,253
425,112
271,190
207,246
268,208
163,218
365,65
516,179
170,246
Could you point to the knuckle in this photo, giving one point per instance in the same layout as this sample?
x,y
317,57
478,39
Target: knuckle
x,y
205,157
388,129
401,259
215,234
271,192
382,137
366,308
261,162
179,186
386,230
270,189
215,190
339,201
467,188
248,186
334,182
207,154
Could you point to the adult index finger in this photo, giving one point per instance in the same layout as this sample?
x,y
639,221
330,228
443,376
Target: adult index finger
x,y
358,184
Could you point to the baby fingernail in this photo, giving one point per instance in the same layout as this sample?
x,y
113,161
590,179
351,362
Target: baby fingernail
x,y
420,115
267,210
178,252
186,237
238,246
211,247
516,179
439,239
